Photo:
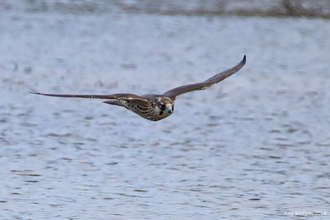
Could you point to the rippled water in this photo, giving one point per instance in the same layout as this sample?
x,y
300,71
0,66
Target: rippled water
x,y
253,147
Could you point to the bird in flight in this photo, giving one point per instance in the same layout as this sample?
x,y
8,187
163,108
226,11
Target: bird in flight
x,y
154,107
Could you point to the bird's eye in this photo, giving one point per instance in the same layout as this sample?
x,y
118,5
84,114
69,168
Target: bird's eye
x,y
162,107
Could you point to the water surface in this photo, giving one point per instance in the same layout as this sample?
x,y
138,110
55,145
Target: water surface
x,y
253,147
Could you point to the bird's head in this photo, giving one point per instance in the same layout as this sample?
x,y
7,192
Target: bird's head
x,y
164,106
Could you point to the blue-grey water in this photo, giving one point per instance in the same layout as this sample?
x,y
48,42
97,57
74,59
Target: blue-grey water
x,y
256,146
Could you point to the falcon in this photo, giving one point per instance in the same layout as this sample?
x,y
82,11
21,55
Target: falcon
x,y
154,107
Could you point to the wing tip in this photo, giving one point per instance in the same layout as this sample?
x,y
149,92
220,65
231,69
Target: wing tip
x,y
33,92
244,60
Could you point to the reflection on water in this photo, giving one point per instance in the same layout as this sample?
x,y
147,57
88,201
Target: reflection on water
x,y
253,147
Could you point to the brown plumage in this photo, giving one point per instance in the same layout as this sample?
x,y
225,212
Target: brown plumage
x,y
152,106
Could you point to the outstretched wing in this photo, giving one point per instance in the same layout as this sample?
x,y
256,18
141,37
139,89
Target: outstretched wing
x,y
119,96
173,93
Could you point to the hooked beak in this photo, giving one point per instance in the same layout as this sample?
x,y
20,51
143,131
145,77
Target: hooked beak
x,y
169,109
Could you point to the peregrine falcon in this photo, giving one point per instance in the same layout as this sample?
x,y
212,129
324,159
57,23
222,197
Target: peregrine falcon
x,y
152,106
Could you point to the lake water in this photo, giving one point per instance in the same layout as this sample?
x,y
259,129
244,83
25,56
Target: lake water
x,y
255,146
